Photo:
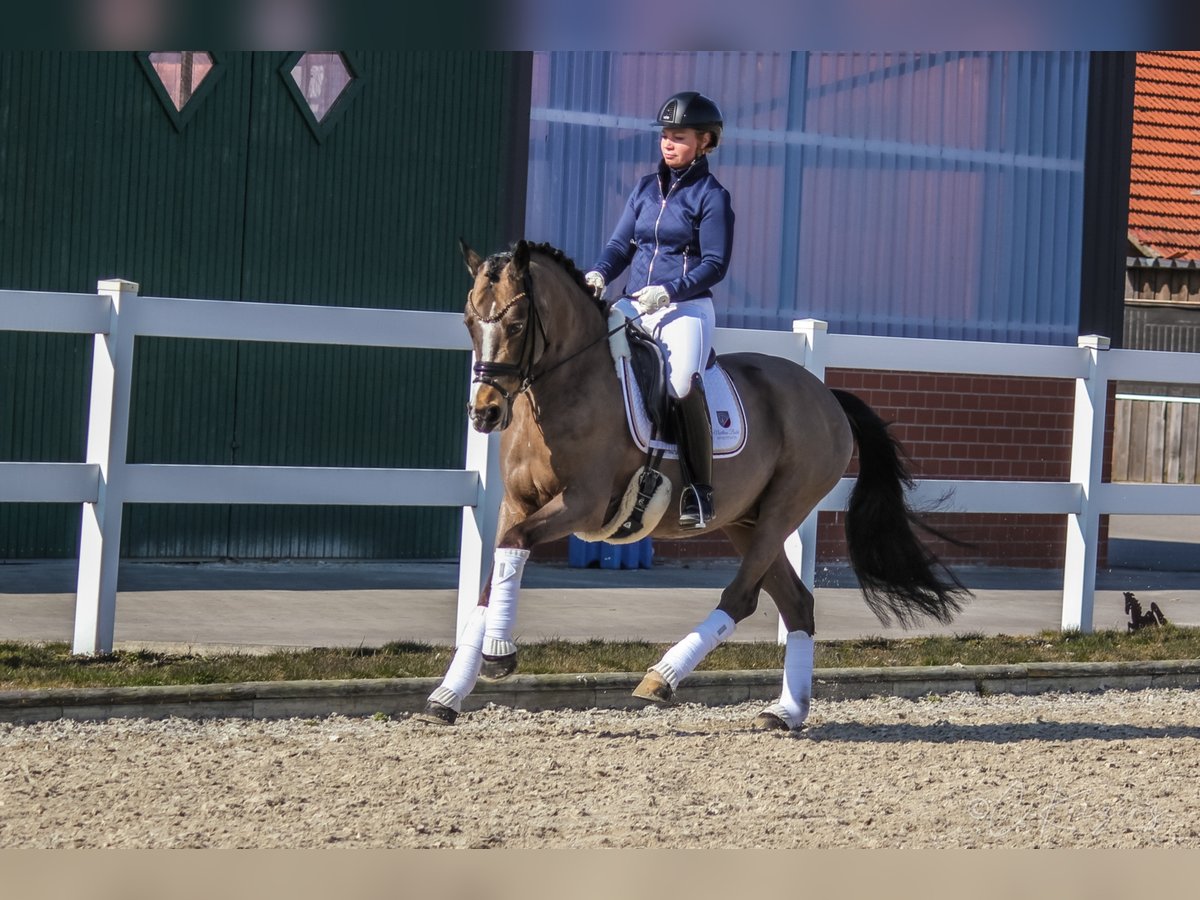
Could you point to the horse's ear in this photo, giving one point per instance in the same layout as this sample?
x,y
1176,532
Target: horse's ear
x,y
520,257
470,257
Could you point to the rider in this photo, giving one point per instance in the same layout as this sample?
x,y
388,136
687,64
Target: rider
x,y
675,236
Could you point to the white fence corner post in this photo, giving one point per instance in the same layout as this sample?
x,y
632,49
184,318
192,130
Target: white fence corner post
x,y
801,545
479,524
107,440
1087,470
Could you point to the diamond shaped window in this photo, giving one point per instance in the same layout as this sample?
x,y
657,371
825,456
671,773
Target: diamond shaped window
x,y
181,72
322,84
322,78
181,79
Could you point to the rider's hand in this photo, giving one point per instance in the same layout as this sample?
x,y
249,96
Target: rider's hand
x,y
596,282
651,297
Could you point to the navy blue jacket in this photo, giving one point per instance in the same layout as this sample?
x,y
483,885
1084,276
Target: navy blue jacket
x,y
679,234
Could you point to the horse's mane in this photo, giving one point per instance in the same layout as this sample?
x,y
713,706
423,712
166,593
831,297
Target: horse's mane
x,y
500,260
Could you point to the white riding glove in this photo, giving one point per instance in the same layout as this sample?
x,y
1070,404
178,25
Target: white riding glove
x,y
650,298
596,282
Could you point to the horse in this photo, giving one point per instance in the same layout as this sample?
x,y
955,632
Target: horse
x,y
545,378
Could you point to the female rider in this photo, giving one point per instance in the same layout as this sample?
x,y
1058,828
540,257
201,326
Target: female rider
x,y
675,237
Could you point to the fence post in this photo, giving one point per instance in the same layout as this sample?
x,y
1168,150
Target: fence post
x,y
1087,469
801,545
108,437
478,524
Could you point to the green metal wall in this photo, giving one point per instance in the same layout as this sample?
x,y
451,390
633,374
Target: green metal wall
x,y
244,202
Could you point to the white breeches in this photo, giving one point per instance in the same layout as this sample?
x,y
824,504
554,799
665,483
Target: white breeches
x,y
685,331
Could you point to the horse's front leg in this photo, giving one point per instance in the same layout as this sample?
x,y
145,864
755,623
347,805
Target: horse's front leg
x,y
487,647
519,533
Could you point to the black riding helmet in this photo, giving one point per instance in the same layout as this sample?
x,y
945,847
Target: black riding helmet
x,y
691,109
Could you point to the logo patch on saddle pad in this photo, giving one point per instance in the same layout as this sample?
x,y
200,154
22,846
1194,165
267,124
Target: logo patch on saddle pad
x,y
727,416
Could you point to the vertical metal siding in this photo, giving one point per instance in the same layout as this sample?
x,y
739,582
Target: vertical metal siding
x,y
912,194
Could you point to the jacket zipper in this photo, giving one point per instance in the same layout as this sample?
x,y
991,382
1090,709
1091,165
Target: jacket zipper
x,y
662,209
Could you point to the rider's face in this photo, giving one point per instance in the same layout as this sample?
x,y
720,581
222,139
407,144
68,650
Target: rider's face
x,y
681,145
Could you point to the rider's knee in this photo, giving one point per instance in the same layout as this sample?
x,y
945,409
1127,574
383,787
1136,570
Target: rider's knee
x,y
682,383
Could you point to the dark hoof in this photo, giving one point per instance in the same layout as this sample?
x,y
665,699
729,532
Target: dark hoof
x,y
655,688
768,721
436,714
494,668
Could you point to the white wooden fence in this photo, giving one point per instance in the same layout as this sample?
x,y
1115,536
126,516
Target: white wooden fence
x,y
104,481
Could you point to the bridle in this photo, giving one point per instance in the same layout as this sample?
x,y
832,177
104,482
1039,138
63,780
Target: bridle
x,y
486,371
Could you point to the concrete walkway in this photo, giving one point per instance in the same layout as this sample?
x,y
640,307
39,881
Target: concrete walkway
x,y
254,606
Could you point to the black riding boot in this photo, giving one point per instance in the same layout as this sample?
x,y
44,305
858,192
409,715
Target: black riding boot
x,y
693,431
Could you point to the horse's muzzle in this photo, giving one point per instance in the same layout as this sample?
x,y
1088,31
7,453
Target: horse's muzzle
x,y
488,418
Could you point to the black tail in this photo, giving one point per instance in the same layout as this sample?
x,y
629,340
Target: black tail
x,y
898,573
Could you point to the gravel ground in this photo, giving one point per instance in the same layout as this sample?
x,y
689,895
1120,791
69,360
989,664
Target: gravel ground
x,y
1118,769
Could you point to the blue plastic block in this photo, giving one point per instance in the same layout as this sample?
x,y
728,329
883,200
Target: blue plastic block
x,y
582,554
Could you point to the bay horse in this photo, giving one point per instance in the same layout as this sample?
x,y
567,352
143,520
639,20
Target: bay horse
x,y
544,376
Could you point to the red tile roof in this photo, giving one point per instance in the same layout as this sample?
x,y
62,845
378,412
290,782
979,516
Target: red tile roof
x,y
1164,188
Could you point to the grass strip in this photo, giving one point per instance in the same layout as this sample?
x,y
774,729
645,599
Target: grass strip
x,y
29,666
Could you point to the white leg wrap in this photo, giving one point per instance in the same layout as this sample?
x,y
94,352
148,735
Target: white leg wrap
x,y
797,680
464,668
678,662
507,568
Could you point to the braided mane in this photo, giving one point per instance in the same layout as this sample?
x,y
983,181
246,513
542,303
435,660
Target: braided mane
x,y
498,261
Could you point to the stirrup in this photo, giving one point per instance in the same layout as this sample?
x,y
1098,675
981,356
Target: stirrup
x,y
695,506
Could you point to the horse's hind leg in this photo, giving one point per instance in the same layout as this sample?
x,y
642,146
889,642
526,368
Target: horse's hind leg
x,y
738,601
796,608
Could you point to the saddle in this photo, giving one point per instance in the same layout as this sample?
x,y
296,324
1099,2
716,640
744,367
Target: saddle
x,y
649,368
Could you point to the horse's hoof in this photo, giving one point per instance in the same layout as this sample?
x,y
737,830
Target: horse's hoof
x,y
494,668
776,718
654,688
436,714
768,721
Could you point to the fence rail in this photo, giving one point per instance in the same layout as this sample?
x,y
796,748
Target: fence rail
x,y
103,482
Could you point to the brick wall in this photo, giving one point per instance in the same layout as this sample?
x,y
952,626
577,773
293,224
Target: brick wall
x,y
974,427
962,427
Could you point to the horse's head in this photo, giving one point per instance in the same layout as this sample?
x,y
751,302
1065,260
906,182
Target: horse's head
x,y
502,319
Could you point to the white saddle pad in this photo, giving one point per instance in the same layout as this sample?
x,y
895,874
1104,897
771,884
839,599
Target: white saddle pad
x,y
724,407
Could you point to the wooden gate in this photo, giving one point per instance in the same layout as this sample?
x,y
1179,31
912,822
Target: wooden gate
x,y
1156,440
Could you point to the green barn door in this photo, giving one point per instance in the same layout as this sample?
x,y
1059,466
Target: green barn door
x,y
357,199
97,181
273,187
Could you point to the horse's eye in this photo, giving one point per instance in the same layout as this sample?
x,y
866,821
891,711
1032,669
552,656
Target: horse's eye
x,y
514,328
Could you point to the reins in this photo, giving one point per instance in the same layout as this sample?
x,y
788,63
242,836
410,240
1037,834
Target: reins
x,y
587,346
487,372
